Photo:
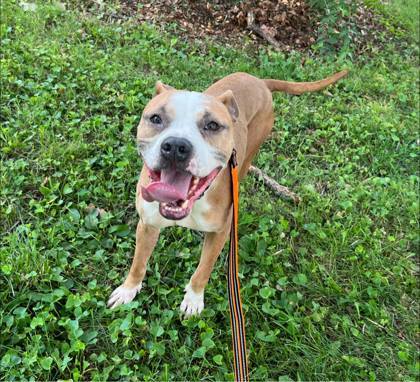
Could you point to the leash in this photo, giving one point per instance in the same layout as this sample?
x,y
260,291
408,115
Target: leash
x,y
237,321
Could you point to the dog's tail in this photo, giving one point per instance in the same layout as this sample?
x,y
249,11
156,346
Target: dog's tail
x,y
303,87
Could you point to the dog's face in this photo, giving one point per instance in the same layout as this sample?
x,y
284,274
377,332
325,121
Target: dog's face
x,y
185,139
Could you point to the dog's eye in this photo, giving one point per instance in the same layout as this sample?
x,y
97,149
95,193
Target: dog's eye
x,y
155,119
212,126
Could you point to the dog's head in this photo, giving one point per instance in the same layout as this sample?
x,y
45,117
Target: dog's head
x,y
185,139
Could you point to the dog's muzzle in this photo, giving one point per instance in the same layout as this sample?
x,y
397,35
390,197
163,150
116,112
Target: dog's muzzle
x,y
172,184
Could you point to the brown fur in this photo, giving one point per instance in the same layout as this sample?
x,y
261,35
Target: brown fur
x,y
249,101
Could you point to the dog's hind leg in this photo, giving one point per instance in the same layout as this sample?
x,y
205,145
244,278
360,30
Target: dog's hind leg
x,y
146,239
214,242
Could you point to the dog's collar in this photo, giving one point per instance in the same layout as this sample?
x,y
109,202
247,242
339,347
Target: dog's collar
x,y
233,160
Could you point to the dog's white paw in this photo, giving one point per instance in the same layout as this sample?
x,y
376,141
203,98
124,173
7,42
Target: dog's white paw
x,y
122,295
193,303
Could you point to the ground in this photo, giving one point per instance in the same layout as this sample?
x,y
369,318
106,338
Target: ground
x,y
329,286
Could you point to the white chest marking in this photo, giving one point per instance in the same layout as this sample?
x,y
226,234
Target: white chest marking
x,y
150,215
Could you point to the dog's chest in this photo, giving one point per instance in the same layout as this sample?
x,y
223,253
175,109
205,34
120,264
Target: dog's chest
x,y
197,220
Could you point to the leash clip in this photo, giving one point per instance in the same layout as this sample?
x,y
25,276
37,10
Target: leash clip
x,y
233,159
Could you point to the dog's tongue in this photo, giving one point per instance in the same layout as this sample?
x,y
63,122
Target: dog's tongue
x,y
173,186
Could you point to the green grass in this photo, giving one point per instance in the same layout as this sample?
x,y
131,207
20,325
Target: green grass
x,y
400,13
329,287
408,13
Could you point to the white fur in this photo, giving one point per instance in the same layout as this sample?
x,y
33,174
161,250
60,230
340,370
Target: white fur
x,y
122,295
193,303
186,106
150,215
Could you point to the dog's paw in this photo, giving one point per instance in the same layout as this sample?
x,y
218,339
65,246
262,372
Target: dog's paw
x,y
122,295
193,303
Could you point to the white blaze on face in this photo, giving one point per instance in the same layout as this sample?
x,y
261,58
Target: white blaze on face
x,y
187,107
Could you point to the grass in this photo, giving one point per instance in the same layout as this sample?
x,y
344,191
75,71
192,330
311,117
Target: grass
x,y
329,287
407,11
400,12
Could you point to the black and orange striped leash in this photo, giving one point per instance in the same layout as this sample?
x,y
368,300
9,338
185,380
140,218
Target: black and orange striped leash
x,y
237,320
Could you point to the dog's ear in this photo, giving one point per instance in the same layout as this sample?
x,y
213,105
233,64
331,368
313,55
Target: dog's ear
x,y
228,99
160,87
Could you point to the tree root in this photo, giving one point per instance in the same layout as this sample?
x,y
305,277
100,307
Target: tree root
x,y
281,191
252,26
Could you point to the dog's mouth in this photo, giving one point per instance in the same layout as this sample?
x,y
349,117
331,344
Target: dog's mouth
x,y
176,190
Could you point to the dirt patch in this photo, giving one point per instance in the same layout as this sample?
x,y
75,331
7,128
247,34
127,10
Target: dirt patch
x,y
288,22
286,25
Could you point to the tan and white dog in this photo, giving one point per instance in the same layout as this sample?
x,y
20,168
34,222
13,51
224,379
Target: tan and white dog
x,y
186,139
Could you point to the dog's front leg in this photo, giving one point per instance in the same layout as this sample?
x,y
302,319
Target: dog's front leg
x,y
146,239
214,242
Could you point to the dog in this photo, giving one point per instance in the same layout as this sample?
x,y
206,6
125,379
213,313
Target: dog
x,y
186,139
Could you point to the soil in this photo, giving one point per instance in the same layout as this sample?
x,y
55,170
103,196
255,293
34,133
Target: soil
x,y
285,24
289,21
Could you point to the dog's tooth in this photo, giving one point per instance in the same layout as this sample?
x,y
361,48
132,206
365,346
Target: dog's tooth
x,y
195,181
185,204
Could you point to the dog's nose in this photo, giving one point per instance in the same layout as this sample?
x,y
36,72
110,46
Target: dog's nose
x,y
176,149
